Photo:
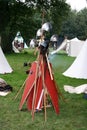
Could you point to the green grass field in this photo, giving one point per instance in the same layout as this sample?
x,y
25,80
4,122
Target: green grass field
x,y
73,110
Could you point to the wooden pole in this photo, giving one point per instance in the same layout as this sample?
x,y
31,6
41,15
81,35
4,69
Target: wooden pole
x,y
20,89
44,87
49,68
34,94
43,14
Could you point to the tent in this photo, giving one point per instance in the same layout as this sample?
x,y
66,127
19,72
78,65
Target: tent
x,y
40,85
4,65
32,43
75,46
37,88
78,69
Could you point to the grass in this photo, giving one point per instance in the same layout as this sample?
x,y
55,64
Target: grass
x,y
73,112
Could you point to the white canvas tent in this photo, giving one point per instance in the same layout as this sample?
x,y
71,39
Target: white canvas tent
x,y
75,47
4,65
78,69
32,43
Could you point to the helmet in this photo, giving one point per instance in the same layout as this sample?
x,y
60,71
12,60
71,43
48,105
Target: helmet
x,y
18,33
39,32
47,26
54,38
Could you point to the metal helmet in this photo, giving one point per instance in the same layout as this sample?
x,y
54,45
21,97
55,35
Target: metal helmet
x,y
18,33
47,26
39,32
54,38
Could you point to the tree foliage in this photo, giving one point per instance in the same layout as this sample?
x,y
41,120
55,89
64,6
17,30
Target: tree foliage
x,y
76,25
27,18
55,11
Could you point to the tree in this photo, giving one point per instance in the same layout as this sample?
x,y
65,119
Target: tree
x,y
4,20
56,11
81,24
76,25
69,25
27,17
15,16
59,13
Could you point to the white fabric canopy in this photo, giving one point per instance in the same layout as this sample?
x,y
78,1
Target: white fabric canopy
x,y
4,65
32,43
75,47
75,39
78,69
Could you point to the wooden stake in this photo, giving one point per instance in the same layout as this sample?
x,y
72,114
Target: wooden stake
x,y
34,94
49,67
44,87
20,89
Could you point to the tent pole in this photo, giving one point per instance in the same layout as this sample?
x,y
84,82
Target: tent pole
x,y
20,89
44,87
34,95
49,67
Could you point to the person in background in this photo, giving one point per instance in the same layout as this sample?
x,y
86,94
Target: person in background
x,y
18,43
